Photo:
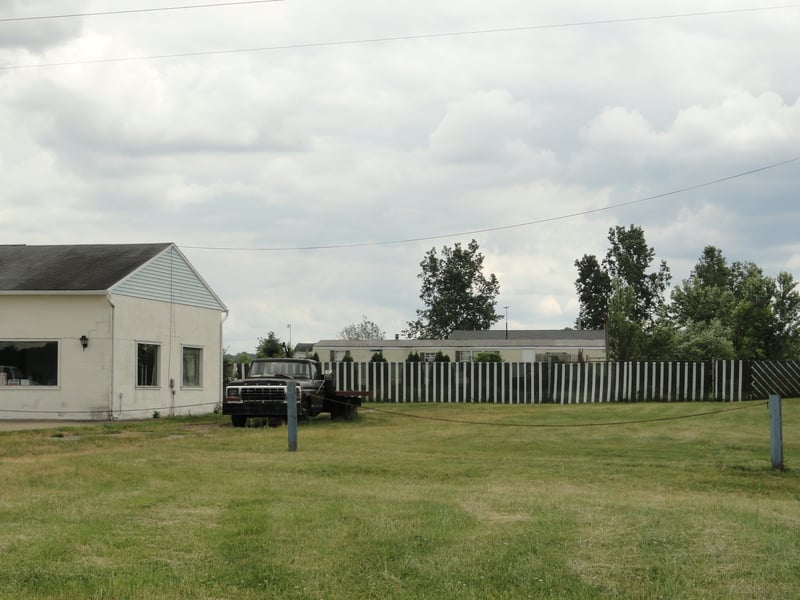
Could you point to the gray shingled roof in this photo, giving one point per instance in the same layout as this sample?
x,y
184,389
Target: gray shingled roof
x,y
71,268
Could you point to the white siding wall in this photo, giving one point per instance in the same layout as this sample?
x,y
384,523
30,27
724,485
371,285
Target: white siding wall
x,y
84,377
88,387
169,277
171,326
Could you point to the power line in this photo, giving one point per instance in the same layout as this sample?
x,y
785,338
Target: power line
x,y
511,226
396,38
134,10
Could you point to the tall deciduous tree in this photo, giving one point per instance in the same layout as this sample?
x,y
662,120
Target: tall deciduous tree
x,y
594,290
455,292
786,307
736,311
365,330
625,335
628,259
706,295
626,262
753,319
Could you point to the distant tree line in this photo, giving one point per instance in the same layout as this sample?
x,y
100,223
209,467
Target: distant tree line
x,y
720,311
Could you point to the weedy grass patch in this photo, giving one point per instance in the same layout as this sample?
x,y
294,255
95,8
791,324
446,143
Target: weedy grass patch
x,y
408,501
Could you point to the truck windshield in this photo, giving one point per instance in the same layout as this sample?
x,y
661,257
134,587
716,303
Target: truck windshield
x,y
287,369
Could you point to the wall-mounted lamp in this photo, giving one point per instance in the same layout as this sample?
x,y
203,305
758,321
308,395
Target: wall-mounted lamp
x,y
84,342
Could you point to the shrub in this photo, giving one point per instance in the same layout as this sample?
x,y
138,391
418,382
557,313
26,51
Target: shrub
x,y
487,357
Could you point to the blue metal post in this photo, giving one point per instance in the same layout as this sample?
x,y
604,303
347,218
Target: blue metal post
x,y
776,432
291,414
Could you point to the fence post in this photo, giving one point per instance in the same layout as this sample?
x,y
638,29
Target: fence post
x,y
776,432
291,414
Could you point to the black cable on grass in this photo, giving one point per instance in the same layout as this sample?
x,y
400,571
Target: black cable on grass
x,y
411,416
564,425
94,412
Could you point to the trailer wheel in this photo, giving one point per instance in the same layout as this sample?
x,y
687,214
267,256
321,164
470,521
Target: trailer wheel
x,y
343,410
238,420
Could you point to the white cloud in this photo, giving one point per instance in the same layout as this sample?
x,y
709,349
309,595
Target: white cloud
x,y
482,127
400,140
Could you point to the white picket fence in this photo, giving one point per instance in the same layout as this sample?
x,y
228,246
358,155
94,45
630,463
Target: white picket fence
x,y
566,383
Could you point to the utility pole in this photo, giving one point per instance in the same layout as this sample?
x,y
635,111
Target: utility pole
x,y
506,321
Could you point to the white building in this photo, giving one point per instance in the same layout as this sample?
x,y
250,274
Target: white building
x,y
565,345
106,331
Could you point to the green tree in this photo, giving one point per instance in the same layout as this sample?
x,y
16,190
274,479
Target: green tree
x,y
626,336
378,357
753,320
628,259
705,341
270,347
365,330
661,342
594,289
623,295
786,308
455,292
413,357
721,307
706,295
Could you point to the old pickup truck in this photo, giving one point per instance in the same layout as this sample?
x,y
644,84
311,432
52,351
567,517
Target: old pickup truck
x,y
263,393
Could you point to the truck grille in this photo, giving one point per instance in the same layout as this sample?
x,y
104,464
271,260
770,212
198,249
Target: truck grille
x,y
262,394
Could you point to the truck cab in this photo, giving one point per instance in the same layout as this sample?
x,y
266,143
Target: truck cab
x,y
263,393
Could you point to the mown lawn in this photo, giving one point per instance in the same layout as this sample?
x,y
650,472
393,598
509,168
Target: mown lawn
x,y
460,501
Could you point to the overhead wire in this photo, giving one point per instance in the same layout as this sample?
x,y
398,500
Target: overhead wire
x,y
502,227
134,10
396,38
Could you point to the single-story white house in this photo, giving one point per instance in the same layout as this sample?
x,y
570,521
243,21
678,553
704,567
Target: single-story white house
x,y
111,331
565,345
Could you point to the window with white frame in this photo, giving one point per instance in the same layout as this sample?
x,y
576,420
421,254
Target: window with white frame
x,y
464,355
26,363
147,356
192,366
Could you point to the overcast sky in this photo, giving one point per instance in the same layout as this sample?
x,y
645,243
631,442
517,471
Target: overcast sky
x,y
557,126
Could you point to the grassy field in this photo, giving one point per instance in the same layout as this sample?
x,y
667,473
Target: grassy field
x,y
460,501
